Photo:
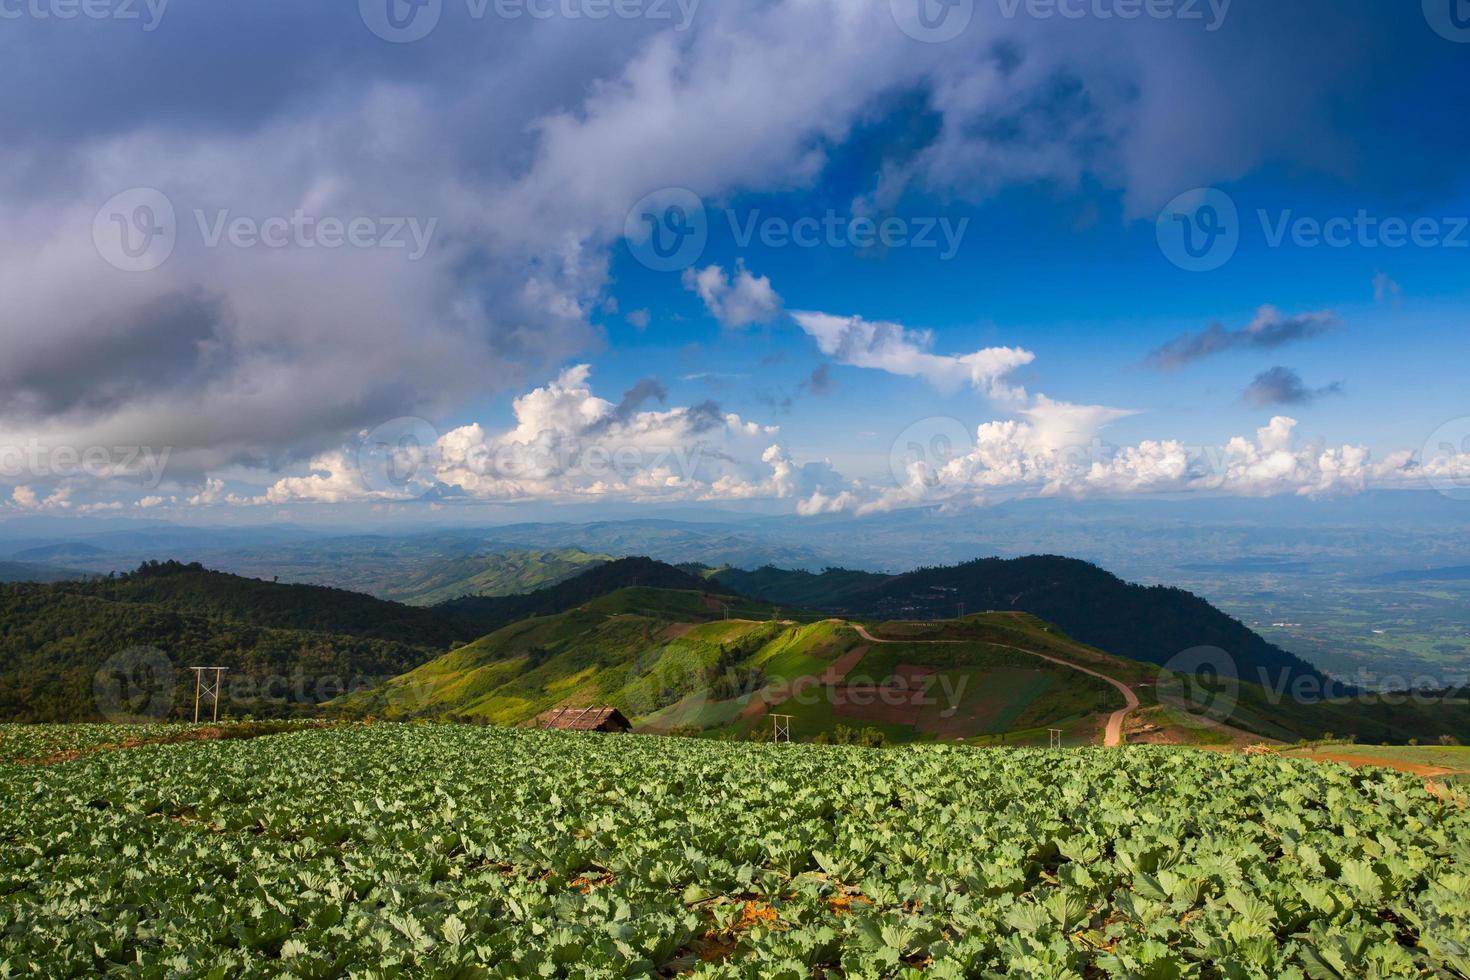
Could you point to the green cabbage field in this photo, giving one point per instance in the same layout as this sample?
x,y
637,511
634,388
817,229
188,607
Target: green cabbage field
x,y
429,851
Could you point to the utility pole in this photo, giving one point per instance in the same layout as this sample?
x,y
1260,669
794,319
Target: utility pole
x,y
207,688
781,728
1056,737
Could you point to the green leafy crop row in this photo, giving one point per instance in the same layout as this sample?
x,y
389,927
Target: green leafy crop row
x,y
383,851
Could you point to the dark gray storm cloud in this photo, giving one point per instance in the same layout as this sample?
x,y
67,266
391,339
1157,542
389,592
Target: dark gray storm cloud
x,y
645,391
1269,330
1283,386
649,389
704,417
177,341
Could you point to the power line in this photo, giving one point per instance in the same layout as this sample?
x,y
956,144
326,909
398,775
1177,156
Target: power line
x,y
206,689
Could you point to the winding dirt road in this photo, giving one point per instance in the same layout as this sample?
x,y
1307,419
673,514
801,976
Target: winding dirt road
x,y
1112,735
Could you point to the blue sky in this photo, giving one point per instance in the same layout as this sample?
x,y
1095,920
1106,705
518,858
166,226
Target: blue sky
x,y
493,336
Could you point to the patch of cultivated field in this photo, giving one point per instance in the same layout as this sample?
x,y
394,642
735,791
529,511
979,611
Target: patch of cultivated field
x,y
56,743
1421,760
421,850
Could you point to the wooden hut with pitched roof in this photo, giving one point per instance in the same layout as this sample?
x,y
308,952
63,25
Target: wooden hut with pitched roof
x,y
589,719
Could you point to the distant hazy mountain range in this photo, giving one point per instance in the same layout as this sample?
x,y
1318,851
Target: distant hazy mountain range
x,y
29,571
1341,582
1144,540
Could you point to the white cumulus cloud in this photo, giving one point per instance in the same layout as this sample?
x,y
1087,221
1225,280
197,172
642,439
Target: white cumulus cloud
x,y
893,348
739,302
568,443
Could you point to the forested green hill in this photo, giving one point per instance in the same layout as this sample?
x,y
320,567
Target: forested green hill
x,y
1153,624
53,643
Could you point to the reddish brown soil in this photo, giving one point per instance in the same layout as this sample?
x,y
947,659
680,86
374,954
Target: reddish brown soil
x,y
843,665
762,701
899,701
874,706
1348,758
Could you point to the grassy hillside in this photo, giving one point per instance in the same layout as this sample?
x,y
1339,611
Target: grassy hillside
x,y
675,650
1371,718
606,650
686,661
504,574
1152,624
306,643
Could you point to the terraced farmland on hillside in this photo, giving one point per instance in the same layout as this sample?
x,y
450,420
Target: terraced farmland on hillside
x,y
690,662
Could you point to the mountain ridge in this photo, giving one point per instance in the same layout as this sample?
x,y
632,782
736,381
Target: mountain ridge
x,y
1150,623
